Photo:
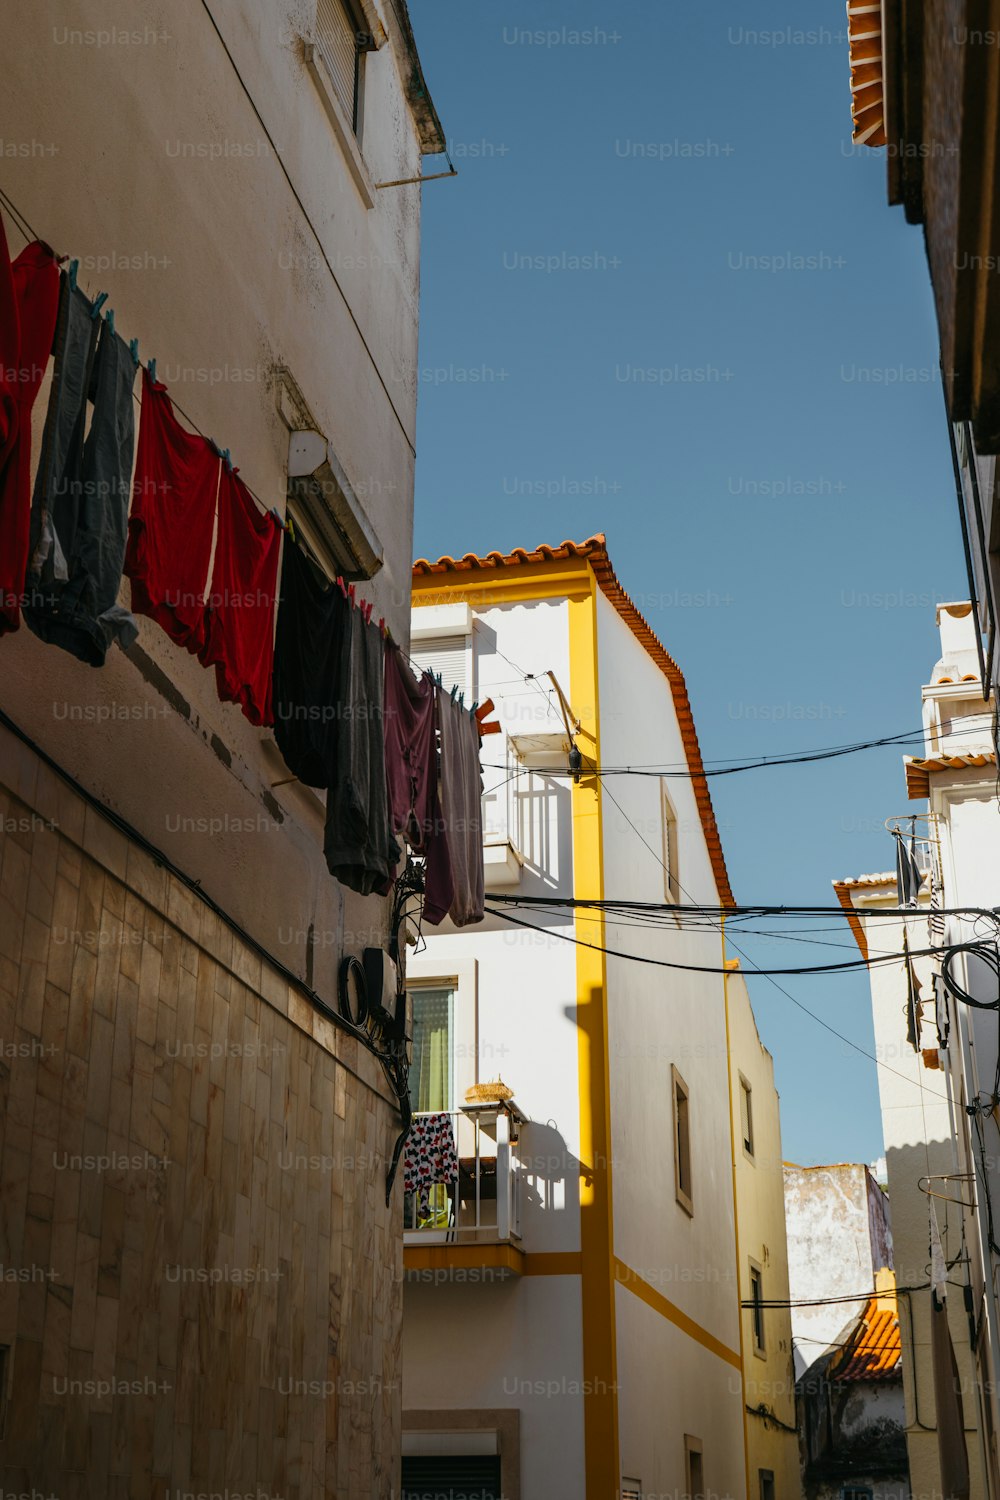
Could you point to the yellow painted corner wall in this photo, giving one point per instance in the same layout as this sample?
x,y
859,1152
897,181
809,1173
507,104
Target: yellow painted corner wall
x,y
769,1380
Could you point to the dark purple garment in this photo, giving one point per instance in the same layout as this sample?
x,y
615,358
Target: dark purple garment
x,y
412,776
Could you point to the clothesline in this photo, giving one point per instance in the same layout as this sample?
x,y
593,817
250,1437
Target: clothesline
x,y
398,757
28,233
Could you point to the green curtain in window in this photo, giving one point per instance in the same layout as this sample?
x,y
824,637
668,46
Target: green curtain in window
x,y
430,1074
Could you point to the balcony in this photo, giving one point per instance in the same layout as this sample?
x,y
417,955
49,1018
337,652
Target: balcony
x,y
462,1194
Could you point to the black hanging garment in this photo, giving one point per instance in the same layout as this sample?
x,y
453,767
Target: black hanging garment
x,y
79,512
360,850
312,621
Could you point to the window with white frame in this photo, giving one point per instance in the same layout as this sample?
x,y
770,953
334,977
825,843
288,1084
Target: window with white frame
x,y
694,1468
757,1308
682,1141
671,880
432,1065
746,1115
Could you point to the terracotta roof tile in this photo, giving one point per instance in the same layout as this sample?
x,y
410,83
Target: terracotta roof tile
x,y
594,551
919,769
864,29
874,1350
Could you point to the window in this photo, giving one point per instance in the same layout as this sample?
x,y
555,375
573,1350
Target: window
x,y
694,1470
757,1307
631,1489
343,40
766,1482
432,1070
448,657
746,1115
671,882
682,1141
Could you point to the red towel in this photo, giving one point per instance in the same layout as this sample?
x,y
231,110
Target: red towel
x,y
239,640
29,302
172,520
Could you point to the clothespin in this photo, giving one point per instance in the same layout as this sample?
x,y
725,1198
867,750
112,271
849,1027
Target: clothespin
x,y
133,349
454,690
290,527
350,594
381,626
341,585
111,319
472,710
227,460
74,266
151,367
461,700
99,302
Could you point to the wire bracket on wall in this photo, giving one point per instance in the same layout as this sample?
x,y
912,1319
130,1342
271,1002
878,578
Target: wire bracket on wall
x,y
930,1177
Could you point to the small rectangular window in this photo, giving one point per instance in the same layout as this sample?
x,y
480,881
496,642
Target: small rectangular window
x,y
682,1141
671,881
631,1489
766,1480
757,1307
746,1115
694,1468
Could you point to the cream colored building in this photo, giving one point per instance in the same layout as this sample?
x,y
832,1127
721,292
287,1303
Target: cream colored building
x,y
762,1254
932,1143
201,1284
572,1320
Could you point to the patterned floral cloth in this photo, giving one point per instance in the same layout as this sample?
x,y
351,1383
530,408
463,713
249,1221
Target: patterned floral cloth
x,y
430,1156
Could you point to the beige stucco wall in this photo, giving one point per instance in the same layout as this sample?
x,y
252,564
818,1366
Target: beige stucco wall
x,y
184,155
769,1379
158,174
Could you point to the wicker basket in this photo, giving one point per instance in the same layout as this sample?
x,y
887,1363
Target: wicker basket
x,y
488,1093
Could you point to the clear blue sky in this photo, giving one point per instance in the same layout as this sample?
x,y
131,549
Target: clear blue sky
x,y
664,189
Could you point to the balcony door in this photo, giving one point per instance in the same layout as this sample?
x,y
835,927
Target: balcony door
x,y
432,1069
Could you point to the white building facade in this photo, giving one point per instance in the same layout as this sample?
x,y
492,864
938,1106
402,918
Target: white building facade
x,y
573,1325
938,1079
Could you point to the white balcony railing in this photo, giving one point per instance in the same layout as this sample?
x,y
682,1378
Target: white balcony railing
x,y
468,1194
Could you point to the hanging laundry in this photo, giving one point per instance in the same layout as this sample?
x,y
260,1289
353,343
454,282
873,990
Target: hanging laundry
x,y
914,1009
29,302
80,505
412,773
360,850
172,522
909,876
430,1158
239,625
461,807
312,622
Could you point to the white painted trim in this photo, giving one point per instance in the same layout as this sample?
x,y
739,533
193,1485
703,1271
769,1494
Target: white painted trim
x,y
341,124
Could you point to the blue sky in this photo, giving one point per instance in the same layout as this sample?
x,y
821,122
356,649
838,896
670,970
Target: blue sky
x,y
666,299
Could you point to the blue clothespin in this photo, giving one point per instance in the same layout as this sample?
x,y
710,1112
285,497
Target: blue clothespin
x,y
133,349
454,691
99,302
151,367
74,266
472,710
111,319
